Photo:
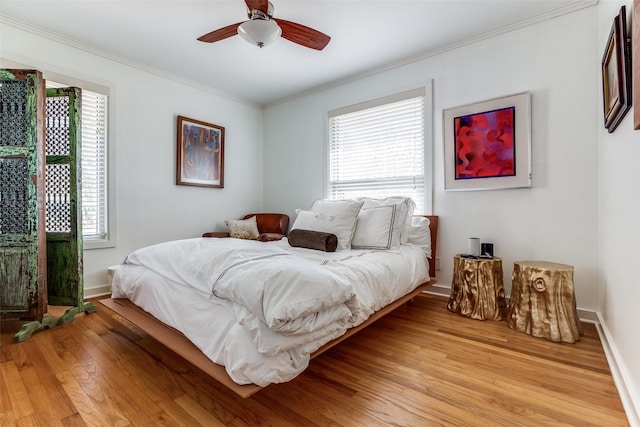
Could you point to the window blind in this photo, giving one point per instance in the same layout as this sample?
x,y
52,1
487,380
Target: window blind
x,y
376,149
94,165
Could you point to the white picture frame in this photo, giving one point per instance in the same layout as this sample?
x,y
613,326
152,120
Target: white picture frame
x,y
487,145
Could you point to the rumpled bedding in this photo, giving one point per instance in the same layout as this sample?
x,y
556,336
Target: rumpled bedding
x,y
261,308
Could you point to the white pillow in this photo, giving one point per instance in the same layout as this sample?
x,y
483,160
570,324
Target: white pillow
x,y
374,228
420,234
331,216
402,221
307,220
243,228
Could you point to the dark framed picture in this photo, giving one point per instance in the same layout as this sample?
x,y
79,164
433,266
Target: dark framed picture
x,y
636,63
488,144
616,73
200,154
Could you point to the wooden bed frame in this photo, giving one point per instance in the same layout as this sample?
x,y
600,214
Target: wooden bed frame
x,y
178,343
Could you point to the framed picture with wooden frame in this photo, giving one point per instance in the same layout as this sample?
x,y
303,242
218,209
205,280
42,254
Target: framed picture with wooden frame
x,y
635,20
487,145
200,153
616,73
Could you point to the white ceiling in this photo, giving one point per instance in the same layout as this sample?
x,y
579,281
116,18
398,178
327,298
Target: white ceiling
x,y
365,36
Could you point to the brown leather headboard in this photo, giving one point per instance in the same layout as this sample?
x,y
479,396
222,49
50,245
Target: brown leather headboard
x,y
433,228
271,222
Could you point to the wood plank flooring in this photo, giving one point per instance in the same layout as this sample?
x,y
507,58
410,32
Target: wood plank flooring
x,y
419,366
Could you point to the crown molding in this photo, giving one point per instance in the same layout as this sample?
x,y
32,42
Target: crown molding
x,y
565,9
77,44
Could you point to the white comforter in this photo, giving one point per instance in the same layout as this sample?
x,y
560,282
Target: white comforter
x,y
260,309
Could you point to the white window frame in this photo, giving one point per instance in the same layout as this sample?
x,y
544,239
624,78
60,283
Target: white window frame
x,y
108,241
426,92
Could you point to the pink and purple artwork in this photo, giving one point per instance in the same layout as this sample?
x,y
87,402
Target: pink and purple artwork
x,y
485,144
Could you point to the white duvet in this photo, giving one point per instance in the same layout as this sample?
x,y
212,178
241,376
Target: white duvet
x,y
260,309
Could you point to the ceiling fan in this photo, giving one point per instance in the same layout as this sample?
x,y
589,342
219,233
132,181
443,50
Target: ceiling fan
x,y
262,29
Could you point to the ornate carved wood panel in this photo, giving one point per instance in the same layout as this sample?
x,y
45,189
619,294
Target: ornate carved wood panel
x,y
23,292
63,197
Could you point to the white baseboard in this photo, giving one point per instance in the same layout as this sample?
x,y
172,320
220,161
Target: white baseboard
x,y
98,291
439,289
584,315
630,398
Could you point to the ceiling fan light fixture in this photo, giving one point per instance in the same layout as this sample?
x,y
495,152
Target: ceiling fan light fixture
x,y
260,32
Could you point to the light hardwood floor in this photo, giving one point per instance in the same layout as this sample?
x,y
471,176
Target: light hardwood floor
x,y
419,366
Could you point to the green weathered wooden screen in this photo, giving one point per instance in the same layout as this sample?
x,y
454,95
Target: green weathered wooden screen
x,y
63,197
22,266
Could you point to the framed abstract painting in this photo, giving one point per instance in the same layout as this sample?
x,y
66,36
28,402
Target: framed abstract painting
x,y
487,145
200,154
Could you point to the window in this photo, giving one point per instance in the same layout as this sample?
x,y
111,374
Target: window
x,y
377,149
94,165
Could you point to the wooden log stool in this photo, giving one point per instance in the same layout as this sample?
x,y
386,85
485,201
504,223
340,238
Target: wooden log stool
x,y
543,303
477,289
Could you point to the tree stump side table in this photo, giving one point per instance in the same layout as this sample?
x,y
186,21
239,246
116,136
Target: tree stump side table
x,y
477,289
543,302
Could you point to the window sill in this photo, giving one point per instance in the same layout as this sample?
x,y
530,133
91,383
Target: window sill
x,y
98,244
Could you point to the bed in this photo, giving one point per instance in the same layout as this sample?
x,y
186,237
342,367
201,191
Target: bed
x,y
252,312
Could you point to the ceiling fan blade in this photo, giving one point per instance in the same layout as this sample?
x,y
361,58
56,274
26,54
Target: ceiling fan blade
x,y
302,35
220,33
261,5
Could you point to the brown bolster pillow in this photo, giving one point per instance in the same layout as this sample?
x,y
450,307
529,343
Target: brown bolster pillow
x,y
313,240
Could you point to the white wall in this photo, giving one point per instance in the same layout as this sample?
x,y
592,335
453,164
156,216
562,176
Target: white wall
x,y
150,208
620,231
556,220
583,208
